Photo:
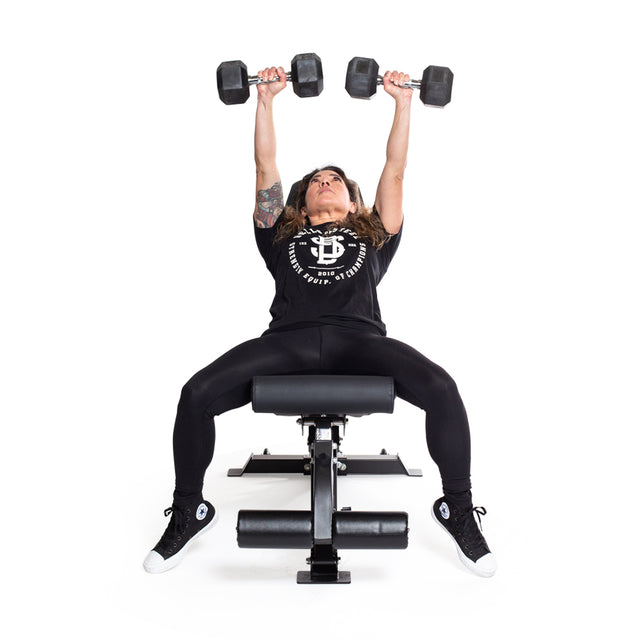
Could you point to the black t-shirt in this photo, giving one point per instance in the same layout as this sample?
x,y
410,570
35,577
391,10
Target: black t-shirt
x,y
325,276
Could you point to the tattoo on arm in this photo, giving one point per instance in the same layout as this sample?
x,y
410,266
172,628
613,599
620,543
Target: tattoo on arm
x,y
269,206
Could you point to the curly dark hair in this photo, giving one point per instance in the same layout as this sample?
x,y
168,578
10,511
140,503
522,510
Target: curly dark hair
x,y
365,221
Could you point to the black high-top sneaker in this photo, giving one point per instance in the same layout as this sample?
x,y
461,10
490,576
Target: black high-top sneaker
x,y
460,524
186,524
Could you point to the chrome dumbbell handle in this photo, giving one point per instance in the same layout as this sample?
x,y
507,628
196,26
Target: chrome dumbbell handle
x,y
412,84
258,80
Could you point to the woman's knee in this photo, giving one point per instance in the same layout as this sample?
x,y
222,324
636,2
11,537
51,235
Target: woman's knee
x,y
195,398
212,395
442,384
435,388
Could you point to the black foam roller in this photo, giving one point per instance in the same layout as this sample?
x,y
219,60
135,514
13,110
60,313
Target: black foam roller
x,y
274,529
351,529
371,530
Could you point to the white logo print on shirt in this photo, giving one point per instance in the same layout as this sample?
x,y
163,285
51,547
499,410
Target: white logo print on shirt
x,y
324,257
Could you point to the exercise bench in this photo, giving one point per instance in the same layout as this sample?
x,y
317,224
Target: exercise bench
x,y
323,403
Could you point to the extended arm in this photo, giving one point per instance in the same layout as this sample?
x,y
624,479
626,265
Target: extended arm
x,y
389,193
269,198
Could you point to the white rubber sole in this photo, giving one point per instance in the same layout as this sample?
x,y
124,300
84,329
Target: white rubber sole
x,y
485,567
155,563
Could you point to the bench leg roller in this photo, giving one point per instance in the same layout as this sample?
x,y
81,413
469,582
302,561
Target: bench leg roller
x,y
274,529
371,530
294,529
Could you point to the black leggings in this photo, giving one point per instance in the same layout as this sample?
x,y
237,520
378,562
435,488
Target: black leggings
x,y
226,384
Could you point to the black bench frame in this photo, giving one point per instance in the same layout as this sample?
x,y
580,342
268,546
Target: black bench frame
x,y
324,529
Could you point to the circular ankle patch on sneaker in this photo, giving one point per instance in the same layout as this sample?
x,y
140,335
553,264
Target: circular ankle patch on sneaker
x,y
201,512
444,510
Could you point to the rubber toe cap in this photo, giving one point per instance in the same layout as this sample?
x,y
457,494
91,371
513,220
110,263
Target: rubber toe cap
x,y
486,566
154,563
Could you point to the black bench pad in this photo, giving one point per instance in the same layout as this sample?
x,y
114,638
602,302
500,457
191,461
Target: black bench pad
x,y
307,395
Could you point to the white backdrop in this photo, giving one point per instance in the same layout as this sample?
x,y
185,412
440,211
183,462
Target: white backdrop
x,y
128,264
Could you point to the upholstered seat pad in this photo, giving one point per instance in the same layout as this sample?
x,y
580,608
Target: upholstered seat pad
x,y
323,394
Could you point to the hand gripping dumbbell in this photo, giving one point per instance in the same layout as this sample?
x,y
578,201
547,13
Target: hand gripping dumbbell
x,y
363,81
305,74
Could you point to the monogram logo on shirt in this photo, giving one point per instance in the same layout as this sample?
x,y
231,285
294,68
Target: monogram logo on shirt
x,y
321,259
329,249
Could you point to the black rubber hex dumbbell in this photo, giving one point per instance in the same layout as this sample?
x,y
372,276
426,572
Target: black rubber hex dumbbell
x,y
363,80
305,74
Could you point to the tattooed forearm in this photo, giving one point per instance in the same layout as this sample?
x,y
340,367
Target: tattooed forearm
x,y
269,206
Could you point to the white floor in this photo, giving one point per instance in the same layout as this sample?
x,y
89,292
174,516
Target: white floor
x,y
558,572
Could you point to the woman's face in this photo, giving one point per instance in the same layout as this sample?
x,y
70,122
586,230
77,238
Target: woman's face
x,y
327,192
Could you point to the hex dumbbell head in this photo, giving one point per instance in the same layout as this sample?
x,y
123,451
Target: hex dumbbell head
x,y
436,85
362,78
306,75
233,82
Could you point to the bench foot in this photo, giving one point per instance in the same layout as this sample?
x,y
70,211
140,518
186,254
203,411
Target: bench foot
x,y
305,577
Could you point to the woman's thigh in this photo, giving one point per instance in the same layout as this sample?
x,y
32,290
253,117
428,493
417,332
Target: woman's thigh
x,y
418,380
226,383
